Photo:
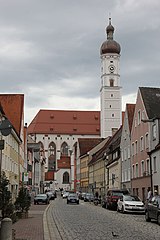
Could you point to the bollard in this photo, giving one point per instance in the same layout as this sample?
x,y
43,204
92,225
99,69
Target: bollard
x,y
6,229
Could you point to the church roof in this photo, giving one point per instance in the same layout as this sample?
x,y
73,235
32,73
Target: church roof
x,y
66,122
110,45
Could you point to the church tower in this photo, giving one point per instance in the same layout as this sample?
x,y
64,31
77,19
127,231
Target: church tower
x,y
110,92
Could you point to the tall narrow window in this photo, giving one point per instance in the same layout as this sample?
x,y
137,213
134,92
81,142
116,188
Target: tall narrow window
x,y
133,173
142,169
136,147
132,149
137,175
154,131
146,141
141,144
139,117
154,164
147,166
111,82
66,178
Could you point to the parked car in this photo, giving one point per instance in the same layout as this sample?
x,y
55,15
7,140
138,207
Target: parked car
x,y
130,203
110,199
152,210
41,199
65,194
89,197
51,195
81,195
72,198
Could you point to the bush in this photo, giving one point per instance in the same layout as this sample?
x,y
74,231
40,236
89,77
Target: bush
x,y
23,201
6,205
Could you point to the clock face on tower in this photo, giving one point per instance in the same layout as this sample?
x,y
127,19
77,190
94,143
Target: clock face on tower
x,y
111,68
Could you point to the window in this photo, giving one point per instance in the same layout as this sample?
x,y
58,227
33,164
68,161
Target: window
x,y
141,144
139,117
137,170
125,154
154,164
147,166
66,178
142,168
133,173
122,155
129,152
64,149
111,95
111,82
154,132
132,149
136,147
129,175
112,114
146,141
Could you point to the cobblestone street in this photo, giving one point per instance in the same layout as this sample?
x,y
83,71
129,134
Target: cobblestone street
x,y
86,221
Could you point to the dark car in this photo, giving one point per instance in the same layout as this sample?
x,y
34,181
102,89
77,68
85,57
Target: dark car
x,y
41,199
51,195
89,197
111,198
72,198
152,210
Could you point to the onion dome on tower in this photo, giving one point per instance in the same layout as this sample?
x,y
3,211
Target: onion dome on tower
x,y
110,46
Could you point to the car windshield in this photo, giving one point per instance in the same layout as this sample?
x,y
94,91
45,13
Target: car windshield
x,y
117,194
89,194
131,198
41,196
72,195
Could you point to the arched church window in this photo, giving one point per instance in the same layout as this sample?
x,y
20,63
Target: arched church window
x,y
65,178
52,157
64,149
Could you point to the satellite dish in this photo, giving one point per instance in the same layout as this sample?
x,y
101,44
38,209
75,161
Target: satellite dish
x,y
5,127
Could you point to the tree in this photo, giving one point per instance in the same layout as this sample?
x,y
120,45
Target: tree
x,y
23,201
6,205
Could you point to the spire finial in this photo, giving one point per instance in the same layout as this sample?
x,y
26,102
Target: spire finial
x,y
109,18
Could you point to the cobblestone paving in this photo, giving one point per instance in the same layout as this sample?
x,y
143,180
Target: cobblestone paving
x,y
88,222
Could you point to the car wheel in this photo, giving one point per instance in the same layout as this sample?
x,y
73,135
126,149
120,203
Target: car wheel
x,y
148,219
158,219
77,202
123,211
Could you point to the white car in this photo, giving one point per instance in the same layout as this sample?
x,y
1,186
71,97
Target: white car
x,y
65,194
130,203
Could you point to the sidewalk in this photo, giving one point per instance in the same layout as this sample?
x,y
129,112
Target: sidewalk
x,y
32,227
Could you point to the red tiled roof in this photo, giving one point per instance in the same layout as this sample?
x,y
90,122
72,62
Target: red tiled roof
x,y
86,144
66,122
13,105
130,109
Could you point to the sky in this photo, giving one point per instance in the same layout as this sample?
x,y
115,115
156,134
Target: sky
x,y
50,50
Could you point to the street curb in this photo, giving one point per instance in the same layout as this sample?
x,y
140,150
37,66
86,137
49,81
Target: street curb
x,y
45,225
